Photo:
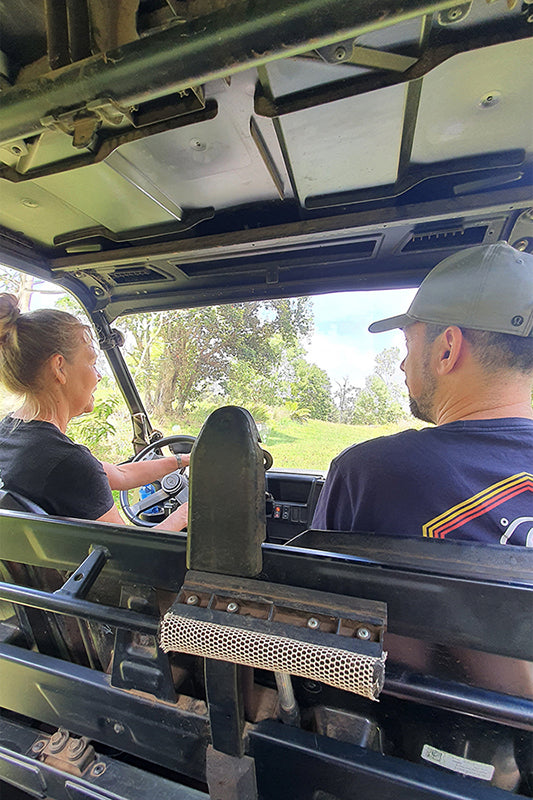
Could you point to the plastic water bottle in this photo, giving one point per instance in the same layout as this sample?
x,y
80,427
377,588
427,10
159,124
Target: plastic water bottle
x,y
146,491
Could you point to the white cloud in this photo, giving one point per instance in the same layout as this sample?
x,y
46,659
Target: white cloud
x,y
341,344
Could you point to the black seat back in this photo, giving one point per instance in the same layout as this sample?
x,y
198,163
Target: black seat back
x,y
12,501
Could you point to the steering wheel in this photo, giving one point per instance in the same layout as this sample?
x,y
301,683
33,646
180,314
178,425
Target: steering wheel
x,y
174,486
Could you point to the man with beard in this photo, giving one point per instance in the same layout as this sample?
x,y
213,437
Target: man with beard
x,y
468,370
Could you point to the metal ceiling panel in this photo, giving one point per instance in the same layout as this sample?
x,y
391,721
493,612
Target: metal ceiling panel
x,y
348,145
477,102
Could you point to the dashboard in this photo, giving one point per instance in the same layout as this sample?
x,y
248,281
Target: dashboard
x,y
294,498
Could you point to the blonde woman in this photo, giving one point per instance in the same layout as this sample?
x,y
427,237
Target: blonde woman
x,y
48,359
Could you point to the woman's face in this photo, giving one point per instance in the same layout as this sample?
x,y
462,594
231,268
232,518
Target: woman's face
x,y
82,379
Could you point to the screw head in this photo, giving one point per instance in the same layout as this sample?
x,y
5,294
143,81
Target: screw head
x,y
118,727
313,623
490,99
38,746
232,608
363,633
193,600
98,769
340,53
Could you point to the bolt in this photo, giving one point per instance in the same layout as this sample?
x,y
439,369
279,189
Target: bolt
x,y
58,740
521,244
340,53
232,608
38,746
118,727
193,600
97,291
313,623
363,633
98,769
312,686
76,747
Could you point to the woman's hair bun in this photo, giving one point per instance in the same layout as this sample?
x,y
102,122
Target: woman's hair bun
x,y
9,311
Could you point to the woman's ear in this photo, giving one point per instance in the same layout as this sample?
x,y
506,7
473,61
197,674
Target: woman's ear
x,y
57,368
449,349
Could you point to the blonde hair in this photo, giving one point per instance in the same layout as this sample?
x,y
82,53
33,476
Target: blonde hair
x,y
27,341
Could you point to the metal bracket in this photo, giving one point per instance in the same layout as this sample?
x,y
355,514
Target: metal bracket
x,y
65,752
138,663
114,338
349,52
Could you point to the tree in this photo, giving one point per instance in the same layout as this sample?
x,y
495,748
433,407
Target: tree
x,y
311,389
217,349
375,404
381,399
344,398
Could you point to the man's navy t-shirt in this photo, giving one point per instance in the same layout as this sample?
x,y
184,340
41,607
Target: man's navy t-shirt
x,y
41,463
470,479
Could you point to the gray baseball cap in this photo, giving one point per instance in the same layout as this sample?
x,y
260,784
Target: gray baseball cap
x,y
487,288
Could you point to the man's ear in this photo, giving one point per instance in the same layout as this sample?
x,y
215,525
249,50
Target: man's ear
x,y
57,365
449,349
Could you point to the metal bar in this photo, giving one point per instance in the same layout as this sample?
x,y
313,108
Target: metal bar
x,y
229,40
119,368
56,33
266,156
504,709
79,584
291,764
108,615
81,700
78,29
223,683
80,237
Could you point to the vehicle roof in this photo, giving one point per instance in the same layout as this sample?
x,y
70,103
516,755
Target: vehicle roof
x,y
191,152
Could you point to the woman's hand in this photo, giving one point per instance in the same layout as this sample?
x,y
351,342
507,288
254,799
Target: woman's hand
x,y
176,521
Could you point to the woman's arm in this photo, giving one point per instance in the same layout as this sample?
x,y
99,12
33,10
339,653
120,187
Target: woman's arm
x,y
136,473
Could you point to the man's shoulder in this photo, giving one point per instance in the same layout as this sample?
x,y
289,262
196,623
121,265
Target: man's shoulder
x,y
385,446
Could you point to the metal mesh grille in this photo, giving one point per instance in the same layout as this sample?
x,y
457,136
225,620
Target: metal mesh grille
x,y
352,672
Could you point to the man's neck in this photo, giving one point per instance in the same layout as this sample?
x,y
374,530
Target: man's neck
x,y
499,400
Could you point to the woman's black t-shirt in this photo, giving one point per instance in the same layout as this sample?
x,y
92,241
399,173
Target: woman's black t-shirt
x,y
42,464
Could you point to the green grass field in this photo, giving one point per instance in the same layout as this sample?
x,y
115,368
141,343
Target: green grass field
x,y
313,444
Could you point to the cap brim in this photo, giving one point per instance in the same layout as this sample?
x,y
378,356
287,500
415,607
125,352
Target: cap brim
x,y
401,321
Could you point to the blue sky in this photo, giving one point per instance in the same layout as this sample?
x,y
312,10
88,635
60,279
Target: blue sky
x,y
341,344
